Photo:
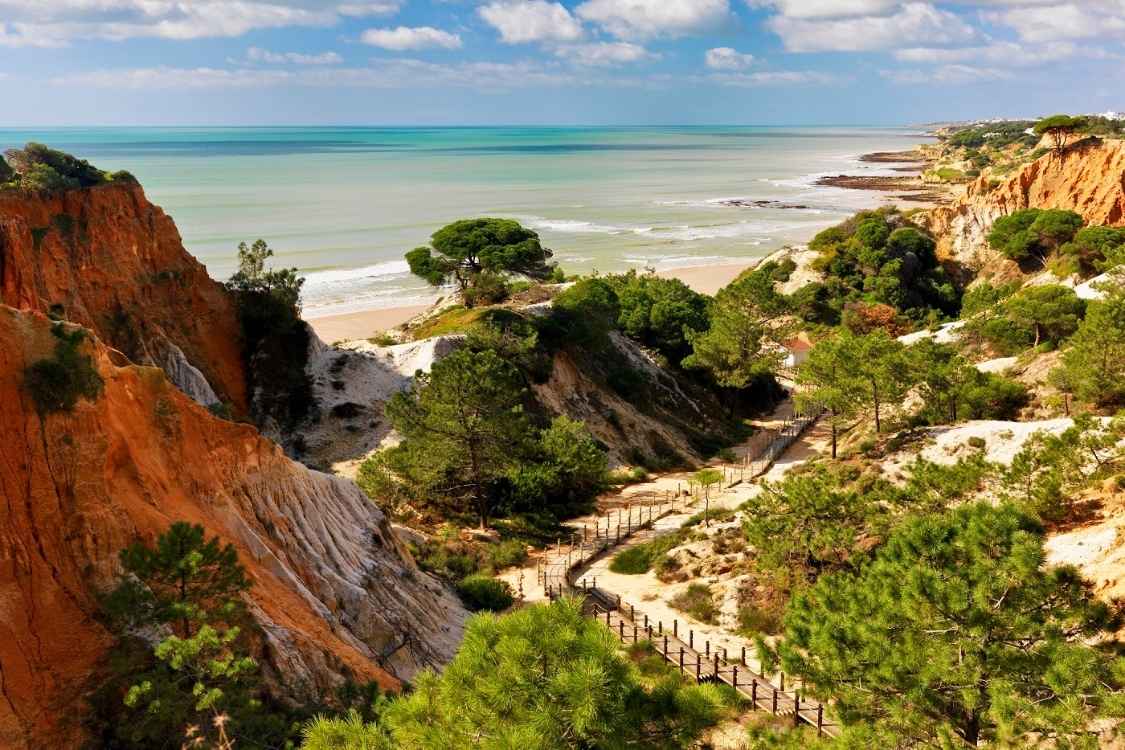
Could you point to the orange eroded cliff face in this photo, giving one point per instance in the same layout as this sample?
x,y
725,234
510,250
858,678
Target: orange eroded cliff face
x,y
335,594
1088,178
116,264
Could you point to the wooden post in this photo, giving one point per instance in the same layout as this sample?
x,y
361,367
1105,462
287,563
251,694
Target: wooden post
x,y
743,648
754,693
716,664
634,632
676,628
796,709
820,719
691,639
783,682
607,618
632,612
734,677
646,621
725,658
665,646
697,667
621,630
681,659
707,647
773,706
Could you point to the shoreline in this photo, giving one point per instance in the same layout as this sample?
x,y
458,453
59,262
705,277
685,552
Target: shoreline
x,y
363,324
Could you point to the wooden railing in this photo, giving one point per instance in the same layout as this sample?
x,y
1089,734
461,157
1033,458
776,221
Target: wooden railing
x,y
695,658
608,531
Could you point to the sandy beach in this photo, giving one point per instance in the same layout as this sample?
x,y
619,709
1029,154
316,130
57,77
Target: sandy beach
x,y
367,323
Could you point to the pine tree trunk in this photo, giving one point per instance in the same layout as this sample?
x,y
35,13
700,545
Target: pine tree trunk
x,y
875,397
833,434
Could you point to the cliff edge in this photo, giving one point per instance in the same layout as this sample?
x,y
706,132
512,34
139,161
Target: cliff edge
x,y
335,594
1089,178
107,258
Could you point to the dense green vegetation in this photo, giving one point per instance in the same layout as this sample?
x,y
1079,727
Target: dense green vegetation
x,y
56,384
882,258
1093,366
275,341
477,255
1033,234
541,678
37,168
987,639
1047,314
659,313
187,589
469,447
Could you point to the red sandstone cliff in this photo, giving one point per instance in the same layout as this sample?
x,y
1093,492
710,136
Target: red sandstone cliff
x,y
116,264
1088,178
334,592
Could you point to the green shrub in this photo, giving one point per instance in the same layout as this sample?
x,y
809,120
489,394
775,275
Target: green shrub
x,y
755,620
659,312
480,592
1033,234
632,561
507,554
56,384
978,442
698,602
587,311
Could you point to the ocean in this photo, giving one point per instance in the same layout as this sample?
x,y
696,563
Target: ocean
x,y
344,204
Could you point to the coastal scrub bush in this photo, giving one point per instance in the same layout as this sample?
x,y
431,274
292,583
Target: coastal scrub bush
x,y
481,592
1096,249
56,384
587,311
44,169
641,558
881,257
1033,234
982,296
698,602
658,312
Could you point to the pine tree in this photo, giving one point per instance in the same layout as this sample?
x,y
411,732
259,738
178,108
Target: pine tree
x,y
463,428
829,380
957,632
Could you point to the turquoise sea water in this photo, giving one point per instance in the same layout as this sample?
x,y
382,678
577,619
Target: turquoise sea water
x,y
344,204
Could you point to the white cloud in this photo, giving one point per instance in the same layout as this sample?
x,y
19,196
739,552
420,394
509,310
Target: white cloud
x,y
826,8
953,74
604,53
411,38
386,74
774,78
257,54
725,58
914,23
1093,18
652,18
361,10
57,22
1004,54
520,21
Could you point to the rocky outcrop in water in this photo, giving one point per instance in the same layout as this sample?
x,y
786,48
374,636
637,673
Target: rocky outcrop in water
x,y
335,594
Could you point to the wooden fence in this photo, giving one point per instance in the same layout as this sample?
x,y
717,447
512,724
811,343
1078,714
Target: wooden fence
x,y
695,658
624,620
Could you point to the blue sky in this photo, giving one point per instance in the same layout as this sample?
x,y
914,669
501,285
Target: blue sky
x,y
452,62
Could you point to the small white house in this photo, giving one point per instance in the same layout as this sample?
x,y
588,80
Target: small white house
x,y
797,350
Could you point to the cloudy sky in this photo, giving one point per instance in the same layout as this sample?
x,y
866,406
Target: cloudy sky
x,y
82,62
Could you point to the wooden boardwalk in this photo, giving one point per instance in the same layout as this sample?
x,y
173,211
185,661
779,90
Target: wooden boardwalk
x,y
680,648
699,662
